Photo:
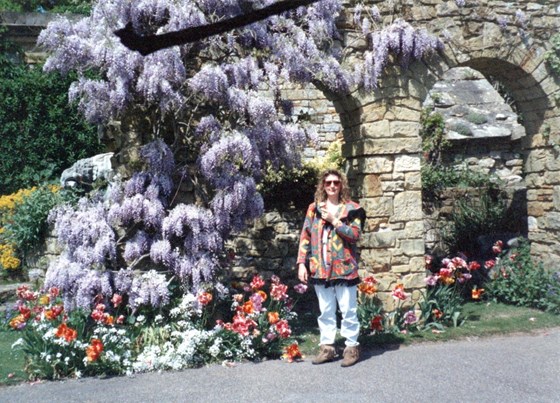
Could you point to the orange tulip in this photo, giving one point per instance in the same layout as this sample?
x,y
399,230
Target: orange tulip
x,y
94,350
248,307
476,293
273,317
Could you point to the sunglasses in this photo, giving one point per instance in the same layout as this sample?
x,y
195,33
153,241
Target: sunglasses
x,y
329,183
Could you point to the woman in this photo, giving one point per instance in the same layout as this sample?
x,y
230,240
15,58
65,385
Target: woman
x,y
332,227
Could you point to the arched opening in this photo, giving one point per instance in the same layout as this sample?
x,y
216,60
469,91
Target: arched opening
x,y
474,191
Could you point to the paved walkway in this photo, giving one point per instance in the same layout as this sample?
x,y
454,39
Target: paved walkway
x,y
518,368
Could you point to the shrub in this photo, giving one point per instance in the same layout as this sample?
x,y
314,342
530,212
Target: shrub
x,y
28,222
432,133
55,6
293,188
436,178
517,280
23,221
474,215
289,188
552,56
38,126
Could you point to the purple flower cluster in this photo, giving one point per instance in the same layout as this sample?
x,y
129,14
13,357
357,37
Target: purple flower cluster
x,y
401,40
85,234
186,240
222,97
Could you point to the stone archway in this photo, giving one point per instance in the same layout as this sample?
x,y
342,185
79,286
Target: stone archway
x,y
381,130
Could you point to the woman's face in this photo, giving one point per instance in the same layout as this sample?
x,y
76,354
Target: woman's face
x,y
332,184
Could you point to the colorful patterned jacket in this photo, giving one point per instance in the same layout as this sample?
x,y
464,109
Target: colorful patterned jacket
x,y
341,250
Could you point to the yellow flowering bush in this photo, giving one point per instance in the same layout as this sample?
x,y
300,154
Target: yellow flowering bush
x,y
8,257
9,202
13,236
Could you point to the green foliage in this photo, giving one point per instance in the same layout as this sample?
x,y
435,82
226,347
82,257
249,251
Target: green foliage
x,y
477,118
436,97
435,178
28,221
518,280
55,6
442,305
552,56
433,136
369,308
38,127
285,189
473,216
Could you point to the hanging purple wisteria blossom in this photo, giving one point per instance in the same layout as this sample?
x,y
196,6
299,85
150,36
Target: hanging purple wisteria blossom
x,y
218,102
401,40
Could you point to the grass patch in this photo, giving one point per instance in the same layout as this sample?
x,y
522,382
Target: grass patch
x,y
13,361
482,320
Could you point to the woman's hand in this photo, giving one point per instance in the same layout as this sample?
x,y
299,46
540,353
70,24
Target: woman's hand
x,y
325,215
302,273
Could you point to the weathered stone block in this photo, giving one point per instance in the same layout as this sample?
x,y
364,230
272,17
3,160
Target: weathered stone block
x,y
532,224
376,240
52,246
407,206
378,206
414,280
375,259
392,186
414,229
535,209
412,247
404,129
536,162
381,146
379,129
376,165
371,186
413,181
407,163
552,220
556,198
551,178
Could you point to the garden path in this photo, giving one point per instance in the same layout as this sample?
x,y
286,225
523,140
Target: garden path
x,y
515,368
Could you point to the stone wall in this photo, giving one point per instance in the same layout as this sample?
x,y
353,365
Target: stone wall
x,y
311,106
269,246
381,131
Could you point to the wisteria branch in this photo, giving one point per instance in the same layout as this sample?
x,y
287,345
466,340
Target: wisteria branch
x,y
152,43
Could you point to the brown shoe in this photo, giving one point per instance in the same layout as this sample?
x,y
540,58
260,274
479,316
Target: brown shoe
x,y
351,356
327,353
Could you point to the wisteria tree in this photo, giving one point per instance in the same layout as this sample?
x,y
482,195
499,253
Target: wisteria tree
x,y
216,118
